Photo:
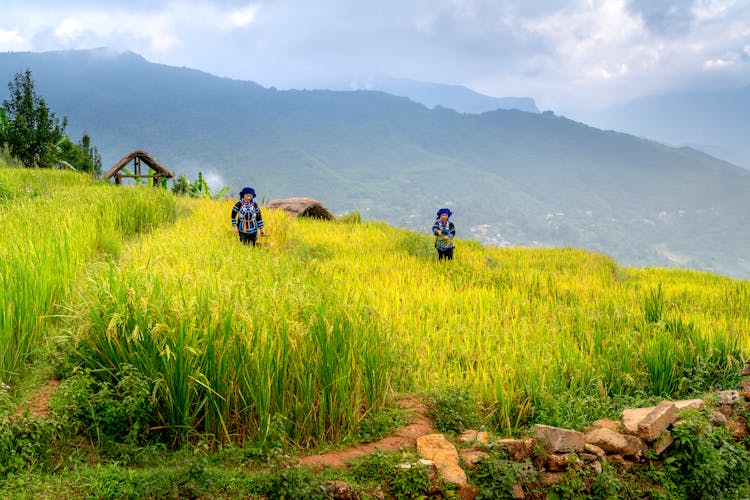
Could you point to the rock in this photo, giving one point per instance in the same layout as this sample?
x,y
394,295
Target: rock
x,y
690,404
727,397
469,492
662,443
518,449
595,466
471,436
595,450
473,457
632,416
339,490
552,477
604,423
719,418
557,462
558,440
648,423
441,451
607,440
616,443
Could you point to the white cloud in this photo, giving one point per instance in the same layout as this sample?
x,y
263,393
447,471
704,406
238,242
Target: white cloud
x,y
717,63
11,40
560,52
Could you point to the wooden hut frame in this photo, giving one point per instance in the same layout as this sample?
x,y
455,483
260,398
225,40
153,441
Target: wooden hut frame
x,y
138,157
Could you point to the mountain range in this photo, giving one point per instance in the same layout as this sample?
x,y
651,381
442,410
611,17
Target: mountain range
x,y
511,177
714,121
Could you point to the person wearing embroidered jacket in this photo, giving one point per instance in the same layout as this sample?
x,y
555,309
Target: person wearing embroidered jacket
x,y
445,231
246,217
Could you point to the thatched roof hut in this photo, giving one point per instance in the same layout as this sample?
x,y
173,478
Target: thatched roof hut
x,y
302,207
138,156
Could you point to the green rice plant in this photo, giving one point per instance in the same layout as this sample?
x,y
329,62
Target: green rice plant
x,y
662,358
47,249
296,342
653,305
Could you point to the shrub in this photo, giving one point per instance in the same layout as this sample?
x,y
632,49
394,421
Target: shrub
x,y
107,412
496,476
453,410
706,462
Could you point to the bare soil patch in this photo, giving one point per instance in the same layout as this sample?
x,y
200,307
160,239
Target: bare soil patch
x,y
404,437
38,402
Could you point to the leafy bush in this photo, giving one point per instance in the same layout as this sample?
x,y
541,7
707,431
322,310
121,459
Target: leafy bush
x,y
107,412
25,443
706,462
399,475
496,476
453,410
375,426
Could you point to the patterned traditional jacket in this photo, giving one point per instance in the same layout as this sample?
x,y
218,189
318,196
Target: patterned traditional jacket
x,y
246,217
444,241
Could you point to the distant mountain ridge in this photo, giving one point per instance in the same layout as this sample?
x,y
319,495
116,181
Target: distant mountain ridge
x,y
713,121
511,177
455,97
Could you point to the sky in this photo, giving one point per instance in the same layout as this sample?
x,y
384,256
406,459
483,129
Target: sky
x,y
567,55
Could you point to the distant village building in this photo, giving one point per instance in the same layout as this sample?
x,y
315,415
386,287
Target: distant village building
x,y
158,172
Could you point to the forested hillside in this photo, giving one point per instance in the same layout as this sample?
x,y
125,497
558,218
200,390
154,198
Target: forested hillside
x,y
511,178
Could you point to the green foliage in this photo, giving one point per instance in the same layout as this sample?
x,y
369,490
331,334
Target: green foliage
x,y
26,443
454,410
401,476
496,476
653,305
705,461
351,218
108,411
287,483
198,189
377,425
32,130
81,157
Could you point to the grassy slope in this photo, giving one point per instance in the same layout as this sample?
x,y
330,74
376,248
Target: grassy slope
x,y
557,336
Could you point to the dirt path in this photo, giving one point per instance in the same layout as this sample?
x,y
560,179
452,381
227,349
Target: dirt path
x,y
405,436
38,402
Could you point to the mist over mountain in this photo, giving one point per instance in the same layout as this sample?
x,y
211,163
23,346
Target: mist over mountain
x,y
511,177
712,121
455,97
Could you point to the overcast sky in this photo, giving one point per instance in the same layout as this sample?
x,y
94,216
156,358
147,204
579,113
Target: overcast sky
x,y
567,55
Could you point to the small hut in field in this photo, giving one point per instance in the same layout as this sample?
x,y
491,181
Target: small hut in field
x,y
302,207
138,157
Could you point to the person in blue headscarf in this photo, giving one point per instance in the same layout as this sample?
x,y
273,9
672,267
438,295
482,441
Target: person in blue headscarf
x,y
246,217
444,231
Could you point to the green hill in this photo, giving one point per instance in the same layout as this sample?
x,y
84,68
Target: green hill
x,y
511,178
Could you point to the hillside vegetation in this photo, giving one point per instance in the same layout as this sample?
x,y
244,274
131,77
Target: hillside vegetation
x,y
148,305
512,178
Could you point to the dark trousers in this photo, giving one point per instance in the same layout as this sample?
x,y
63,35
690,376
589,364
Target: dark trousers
x,y
446,254
248,238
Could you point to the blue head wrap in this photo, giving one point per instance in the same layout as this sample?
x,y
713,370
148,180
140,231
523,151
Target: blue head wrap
x,y
444,211
247,190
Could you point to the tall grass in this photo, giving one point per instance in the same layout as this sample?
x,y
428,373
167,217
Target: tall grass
x,y
297,342
238,338
52,224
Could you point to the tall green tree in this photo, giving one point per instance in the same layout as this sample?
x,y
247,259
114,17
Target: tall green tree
x,y
32,131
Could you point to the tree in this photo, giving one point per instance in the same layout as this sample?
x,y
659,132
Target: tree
x,y
32,131
82,157
198,189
